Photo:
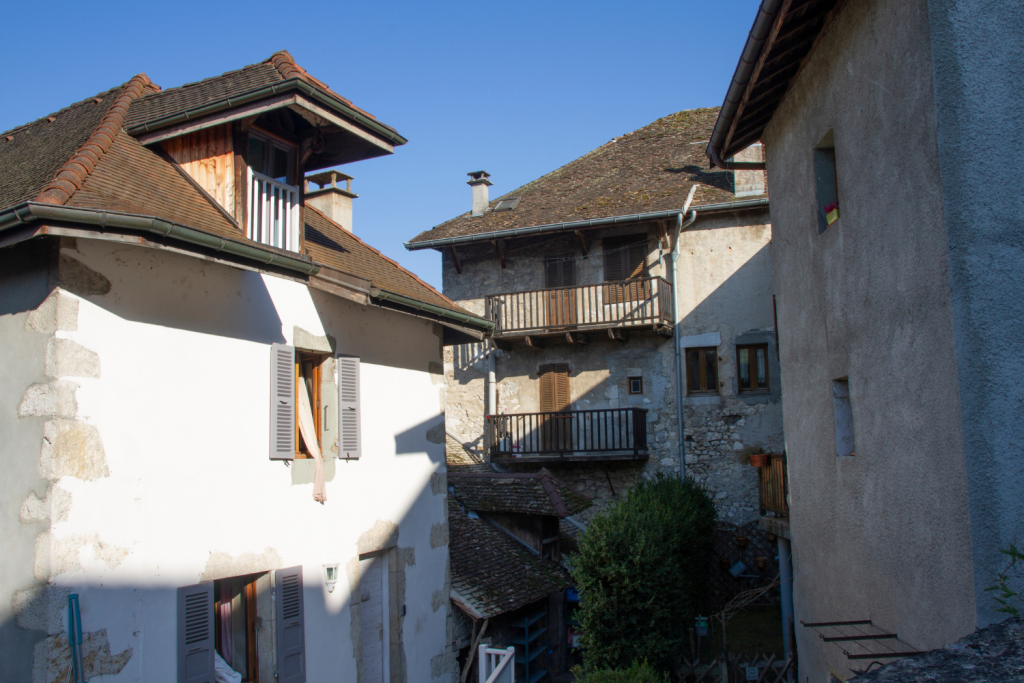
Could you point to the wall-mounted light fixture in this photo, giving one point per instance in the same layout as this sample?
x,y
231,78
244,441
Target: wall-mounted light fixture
x,y
330,576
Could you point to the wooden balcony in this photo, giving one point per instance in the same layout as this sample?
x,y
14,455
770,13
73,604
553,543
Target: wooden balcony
x,y
772,487
273,212
643,303
577,435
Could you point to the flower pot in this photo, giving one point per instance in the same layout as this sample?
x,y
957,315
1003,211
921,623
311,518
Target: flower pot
x,y
772,537
741,541
832,216
759,460
724,564
761,562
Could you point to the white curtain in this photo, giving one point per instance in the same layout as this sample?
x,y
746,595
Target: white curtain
x,y
308,430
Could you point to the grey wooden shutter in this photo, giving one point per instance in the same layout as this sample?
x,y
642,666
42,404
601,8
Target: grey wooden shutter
x,y
195,634
282,402
349,437
291,629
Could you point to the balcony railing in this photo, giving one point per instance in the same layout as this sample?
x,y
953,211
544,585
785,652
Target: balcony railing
x,y
614,433
273,212
772,488
643,302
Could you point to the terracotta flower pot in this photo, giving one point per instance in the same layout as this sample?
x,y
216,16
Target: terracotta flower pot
x,y
761,562
759,460
741,541
723,564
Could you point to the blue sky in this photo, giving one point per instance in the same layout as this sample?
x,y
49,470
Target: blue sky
x,y
517,89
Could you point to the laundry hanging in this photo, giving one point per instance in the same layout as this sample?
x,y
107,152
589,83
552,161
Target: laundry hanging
x,y
308,430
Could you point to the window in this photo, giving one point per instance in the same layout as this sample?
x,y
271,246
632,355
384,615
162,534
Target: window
x,y
636,385
374,609
272,157
560,271
554,388
625,258
825,180
507,204
752,368
272,204
702,370
296,386
235,624
843,417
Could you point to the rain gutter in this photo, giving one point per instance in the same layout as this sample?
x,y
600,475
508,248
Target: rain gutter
x,y
385,295
759,33
29,212
738,205
264,92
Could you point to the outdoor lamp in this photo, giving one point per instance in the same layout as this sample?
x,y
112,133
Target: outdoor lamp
x,y
331,576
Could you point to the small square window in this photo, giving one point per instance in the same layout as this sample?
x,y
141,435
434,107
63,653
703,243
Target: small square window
x,y
702,370
636,385
826,182
752,368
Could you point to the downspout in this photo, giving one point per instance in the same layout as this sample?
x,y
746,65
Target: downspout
x,y
681,225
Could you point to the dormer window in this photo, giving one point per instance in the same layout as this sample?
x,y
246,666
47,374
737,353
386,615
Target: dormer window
x,y
273,192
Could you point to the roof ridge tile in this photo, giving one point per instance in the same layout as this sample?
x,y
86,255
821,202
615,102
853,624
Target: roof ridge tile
x,y
69,177
289,68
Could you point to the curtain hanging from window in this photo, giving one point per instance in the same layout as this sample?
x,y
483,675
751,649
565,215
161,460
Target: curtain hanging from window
x,y
308,431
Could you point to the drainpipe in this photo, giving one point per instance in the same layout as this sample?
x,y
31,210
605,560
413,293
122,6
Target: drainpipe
x,y
674,255
786,597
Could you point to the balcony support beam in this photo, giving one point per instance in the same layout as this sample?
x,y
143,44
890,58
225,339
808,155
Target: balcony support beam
x,y
575,338
455,260
618,335
663,235
584,244
535,342
499,249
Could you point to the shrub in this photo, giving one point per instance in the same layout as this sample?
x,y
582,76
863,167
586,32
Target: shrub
x,y
641,569
637,673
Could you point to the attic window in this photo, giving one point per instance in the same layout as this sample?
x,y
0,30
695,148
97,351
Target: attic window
x,y
507,204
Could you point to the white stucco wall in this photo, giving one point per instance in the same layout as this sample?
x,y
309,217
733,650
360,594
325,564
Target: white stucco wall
x,y
182,407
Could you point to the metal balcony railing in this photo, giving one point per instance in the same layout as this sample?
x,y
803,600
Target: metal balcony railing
x,y
273,212
772,489
576,434
628,303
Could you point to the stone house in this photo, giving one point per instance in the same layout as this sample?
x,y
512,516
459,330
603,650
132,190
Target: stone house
x,y
898,272
207,467
601,347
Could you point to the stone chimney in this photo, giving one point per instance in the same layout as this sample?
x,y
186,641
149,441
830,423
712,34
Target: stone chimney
x,y
479,182
333,201
749,183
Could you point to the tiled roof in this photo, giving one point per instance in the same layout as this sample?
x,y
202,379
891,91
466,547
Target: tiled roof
x,y
650,169
330,244
492,572
534,494
277,68
32,155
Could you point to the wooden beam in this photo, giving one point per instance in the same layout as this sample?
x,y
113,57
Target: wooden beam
x,y
584,246
617,334
474,644
455,259
303,103
499,248
535,342
765,49
503,344
575,338
663,234
245,113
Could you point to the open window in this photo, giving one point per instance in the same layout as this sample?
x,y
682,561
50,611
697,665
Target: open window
x,y
702,370
235,620
309,379
826,182
273,191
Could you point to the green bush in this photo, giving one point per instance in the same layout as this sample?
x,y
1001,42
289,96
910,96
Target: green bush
x,y
637,673
642,573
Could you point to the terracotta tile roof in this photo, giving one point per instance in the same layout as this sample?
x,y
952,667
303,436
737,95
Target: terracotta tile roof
x,y
132,179
277,68
650,169
32,155
534,494
330,244
493,573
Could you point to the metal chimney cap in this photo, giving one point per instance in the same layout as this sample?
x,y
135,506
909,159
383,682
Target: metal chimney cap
x,y
479,178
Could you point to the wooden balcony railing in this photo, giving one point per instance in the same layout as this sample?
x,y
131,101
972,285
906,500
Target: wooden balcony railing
x,y
273,212
627,303
614,433
772,489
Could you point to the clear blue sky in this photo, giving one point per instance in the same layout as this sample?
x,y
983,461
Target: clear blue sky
x,y
515,88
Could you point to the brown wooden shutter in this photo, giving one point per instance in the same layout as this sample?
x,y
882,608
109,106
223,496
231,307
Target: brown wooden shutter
x,y
349,437
636,265
195,634
554,388
559,271
282,402
291,630
613,268
625,257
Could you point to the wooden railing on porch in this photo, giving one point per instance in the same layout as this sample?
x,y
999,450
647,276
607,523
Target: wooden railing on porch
x,y
772,488
568,434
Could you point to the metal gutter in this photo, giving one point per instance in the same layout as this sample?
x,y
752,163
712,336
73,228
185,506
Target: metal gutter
x,y
737,205
385,295
29,212
759,33
267,91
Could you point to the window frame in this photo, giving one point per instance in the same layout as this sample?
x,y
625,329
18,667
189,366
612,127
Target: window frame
x,y
754,388
270,142
629,387
702,352
315,400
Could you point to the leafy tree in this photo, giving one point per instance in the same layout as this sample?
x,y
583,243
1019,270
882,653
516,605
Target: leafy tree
x,y
642,573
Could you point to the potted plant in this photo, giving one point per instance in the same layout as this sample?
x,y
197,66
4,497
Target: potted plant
x,y
761,562
759,460
741,541
832,212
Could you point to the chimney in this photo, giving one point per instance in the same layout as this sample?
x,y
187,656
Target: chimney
x,y
333,201
479,182
749,183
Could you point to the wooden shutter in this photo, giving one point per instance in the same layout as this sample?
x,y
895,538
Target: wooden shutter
x,y
291,630
559,271
625,257
554,388
373,617
195,634
349,437
282,402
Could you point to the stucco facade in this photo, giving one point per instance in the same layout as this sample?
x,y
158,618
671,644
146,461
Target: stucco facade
x,y
135,408
912,298
724,289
